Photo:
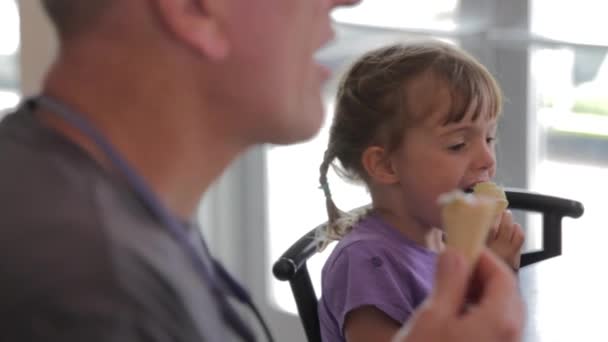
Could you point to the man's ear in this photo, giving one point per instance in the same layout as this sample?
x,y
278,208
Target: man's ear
x,y
378,165
197,23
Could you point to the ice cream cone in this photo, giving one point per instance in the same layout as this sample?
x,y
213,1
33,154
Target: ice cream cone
x,y
467,219
493,191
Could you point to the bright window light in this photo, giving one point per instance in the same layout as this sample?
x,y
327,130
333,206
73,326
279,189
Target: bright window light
x,y
399,14
9,27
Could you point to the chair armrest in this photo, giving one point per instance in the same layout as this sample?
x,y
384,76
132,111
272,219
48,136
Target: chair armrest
x,y
527,200
553,210
295,257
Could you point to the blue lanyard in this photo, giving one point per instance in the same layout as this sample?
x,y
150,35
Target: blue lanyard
x,y
211,273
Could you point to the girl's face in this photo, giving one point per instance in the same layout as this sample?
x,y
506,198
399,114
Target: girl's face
x,y
435,158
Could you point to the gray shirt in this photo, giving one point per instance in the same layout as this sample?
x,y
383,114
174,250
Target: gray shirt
x,y
81,258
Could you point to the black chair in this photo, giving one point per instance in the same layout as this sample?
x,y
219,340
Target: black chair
x,y
291,266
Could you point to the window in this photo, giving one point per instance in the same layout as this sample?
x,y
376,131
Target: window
x,y
9,47
578,22
399,14
571,105
569,78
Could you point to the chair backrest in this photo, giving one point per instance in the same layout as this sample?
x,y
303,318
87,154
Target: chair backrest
x,y
291,266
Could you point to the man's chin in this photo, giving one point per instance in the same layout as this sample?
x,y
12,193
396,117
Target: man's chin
x,y
305,128
295,135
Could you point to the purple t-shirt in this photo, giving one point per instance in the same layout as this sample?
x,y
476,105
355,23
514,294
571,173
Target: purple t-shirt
x,y
373,265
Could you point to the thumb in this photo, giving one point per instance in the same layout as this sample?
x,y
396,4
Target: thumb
x,y
451,282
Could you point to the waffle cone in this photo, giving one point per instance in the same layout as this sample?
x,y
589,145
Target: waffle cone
x,y
493,191
467,219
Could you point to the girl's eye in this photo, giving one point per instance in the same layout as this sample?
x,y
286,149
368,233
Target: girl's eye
x,y
456,147
490,140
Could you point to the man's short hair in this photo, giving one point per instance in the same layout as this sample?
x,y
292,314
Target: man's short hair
x,y
72,17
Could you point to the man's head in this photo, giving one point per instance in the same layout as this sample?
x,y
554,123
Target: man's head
x,y
249,62
264,70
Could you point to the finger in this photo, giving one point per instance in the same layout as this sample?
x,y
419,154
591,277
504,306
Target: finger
x,y
497,284
494,230
451,282
506,226
519,236
500,306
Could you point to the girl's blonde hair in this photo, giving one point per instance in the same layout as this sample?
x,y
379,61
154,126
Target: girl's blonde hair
x,y
372,109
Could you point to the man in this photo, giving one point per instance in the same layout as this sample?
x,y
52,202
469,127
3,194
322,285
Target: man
x,y
146,104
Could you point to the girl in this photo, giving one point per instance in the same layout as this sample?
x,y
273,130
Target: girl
x,y
412,122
